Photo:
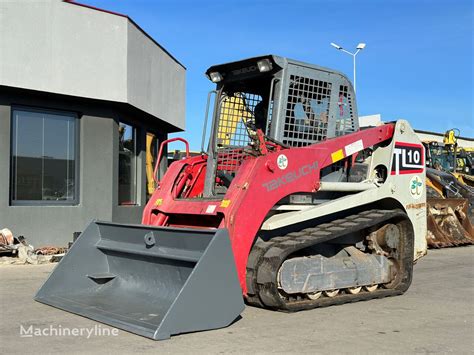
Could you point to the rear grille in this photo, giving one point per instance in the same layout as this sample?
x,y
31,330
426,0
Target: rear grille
x,y
307,112
345,117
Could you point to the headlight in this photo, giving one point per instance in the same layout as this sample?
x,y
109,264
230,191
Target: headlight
x,y
264,65
215,76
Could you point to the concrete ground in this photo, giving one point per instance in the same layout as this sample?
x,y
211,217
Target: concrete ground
x,y
436,315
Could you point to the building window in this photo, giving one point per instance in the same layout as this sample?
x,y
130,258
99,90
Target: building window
x,y
44,157
127,176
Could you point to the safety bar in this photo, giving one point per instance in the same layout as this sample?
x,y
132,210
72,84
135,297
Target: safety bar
x,y
206,116
160,153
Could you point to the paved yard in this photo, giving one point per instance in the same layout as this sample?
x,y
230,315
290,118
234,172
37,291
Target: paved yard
x,y
436,315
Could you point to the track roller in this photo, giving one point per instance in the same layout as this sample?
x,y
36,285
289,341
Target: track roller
x,y
354,290
371,288
331,293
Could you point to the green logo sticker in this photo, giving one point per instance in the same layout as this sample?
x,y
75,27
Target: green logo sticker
x,y
416,187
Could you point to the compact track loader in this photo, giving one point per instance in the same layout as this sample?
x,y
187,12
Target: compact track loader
x,y
290,207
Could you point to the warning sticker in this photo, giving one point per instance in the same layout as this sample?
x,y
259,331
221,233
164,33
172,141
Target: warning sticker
x,y
225,203
354,147
337,155
408,158
211,208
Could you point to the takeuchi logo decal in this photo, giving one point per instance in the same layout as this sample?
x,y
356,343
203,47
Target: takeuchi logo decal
x,y
290,177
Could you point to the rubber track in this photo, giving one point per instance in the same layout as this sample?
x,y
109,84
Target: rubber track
x,y
266,258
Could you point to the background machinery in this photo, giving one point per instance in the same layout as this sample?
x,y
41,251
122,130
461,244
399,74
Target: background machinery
x,y
450,192
450,157
292,206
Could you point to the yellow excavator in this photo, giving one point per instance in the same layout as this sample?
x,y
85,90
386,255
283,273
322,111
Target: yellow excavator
x,y
460,158
450,192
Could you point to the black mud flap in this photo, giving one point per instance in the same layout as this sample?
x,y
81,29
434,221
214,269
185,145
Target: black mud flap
x,y
152,281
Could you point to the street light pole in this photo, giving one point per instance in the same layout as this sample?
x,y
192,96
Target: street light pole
x,y
354,69
360,47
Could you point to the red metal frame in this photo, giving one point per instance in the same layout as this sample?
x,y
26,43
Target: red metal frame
x,y
249,198
160,153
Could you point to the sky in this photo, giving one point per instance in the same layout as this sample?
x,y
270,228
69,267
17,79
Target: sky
x,y
417,65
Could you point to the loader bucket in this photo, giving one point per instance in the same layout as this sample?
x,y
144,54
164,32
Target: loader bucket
x,y
448,223
152,281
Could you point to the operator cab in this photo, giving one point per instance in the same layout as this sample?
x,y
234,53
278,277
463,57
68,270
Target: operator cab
x,y
276,100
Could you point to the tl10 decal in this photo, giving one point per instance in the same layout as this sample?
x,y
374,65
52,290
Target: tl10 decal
x,y
408,158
